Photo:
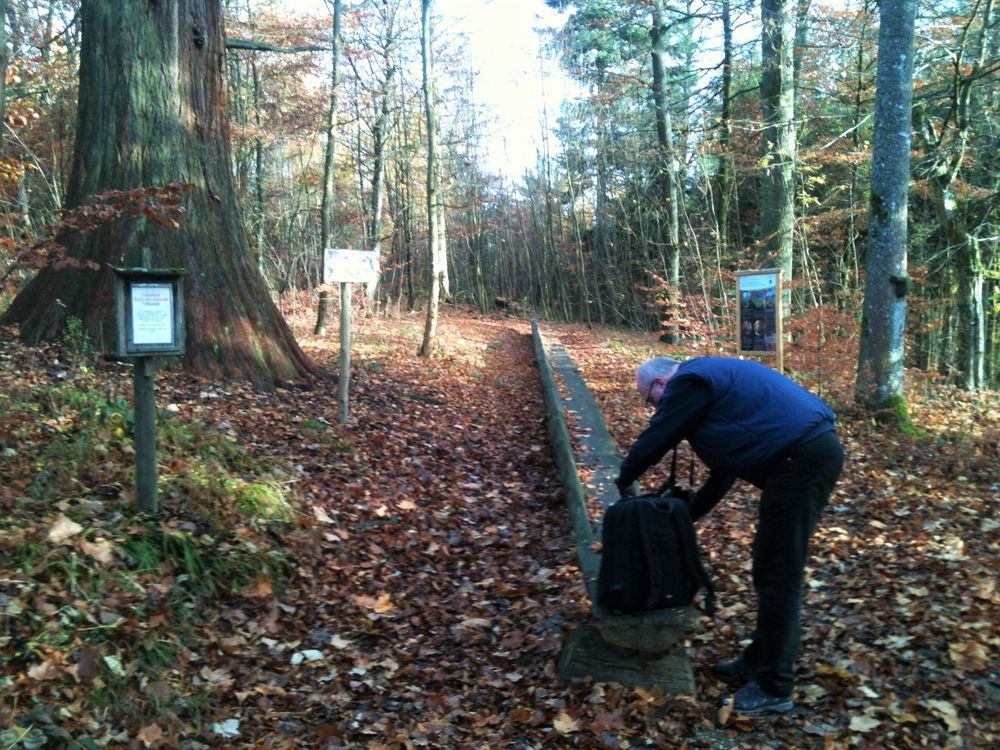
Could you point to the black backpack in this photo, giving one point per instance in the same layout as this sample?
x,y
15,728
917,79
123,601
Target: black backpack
x,y
650,558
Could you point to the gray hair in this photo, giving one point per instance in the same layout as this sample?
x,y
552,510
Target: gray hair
x,y
658,367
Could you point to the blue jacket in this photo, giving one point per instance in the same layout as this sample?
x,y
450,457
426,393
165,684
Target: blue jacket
x,y
757,414
739,416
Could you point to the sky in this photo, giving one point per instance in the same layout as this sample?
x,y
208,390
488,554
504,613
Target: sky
x,y
503,47
513,82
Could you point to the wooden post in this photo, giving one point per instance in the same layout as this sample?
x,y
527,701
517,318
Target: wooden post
x,y
145,434
149,316
345,352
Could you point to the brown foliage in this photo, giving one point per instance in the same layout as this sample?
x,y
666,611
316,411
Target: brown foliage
x,y
434,577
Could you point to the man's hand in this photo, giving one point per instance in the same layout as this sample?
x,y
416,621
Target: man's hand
x,y
624,493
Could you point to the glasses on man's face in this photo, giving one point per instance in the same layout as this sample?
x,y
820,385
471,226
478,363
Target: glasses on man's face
x,y
649,393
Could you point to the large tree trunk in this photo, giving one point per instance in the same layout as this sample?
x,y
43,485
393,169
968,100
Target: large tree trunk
x,y
152,112
880,364
777,95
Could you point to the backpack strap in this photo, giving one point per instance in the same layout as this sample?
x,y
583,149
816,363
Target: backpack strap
x,y
692,559
671,483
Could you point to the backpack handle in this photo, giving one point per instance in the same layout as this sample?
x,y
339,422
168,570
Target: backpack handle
x,y
670,486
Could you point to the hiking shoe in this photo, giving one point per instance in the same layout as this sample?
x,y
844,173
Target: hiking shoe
x,y
735,669
751,700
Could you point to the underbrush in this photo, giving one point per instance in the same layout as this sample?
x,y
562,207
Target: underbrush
x,y
101,608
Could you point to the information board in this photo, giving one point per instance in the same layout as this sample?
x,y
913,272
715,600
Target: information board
x,y
350,266
152,309
758,318
149,312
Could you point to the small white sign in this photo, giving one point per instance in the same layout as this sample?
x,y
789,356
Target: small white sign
x,y
152,313
350,266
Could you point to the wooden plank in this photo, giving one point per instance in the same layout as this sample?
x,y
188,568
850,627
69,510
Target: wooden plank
x,y
643,650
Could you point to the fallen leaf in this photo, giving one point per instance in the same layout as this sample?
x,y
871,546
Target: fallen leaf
x,y
521,715
947,713
87,668
63,529
262,588
863,723
228,728
308,655
45,670
149,735
565,724
103,552
321,515
114,664
337,642
970,654
475,622
381,605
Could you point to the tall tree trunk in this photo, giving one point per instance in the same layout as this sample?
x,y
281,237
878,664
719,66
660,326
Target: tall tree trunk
x,y
725,179
667,161
379,138
433,213
880,362
777,95
153,111
329,163
4,63
258,169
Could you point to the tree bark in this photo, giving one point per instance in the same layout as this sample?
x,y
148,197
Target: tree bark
x,y
433,214
725,178
778,103
667,161
4,62
152,112
329,160
880,363
379,135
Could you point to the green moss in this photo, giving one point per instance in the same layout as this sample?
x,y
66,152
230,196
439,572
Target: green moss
x,y
262,501
893,412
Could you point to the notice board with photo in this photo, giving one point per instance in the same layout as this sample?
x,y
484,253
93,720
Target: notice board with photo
x,y
758,318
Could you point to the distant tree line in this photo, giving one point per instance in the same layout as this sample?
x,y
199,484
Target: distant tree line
x,y
707,139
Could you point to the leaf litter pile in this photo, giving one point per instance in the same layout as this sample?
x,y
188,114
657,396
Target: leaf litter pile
x,y
407,580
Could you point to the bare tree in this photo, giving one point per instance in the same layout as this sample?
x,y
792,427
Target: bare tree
x,y
880,362
434,215
329,160
777,216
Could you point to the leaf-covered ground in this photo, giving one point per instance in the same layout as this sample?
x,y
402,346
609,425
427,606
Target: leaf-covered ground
x,y
430,578
900,624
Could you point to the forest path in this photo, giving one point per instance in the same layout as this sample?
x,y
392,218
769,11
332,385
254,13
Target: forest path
x,y
439,601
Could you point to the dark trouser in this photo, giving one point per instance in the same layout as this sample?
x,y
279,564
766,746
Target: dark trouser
x,y
791,501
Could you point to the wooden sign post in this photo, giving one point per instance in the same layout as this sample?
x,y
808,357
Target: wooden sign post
x,y
758,315
345,267
149,311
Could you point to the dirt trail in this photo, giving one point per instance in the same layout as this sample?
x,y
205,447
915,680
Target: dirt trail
x,y
447,576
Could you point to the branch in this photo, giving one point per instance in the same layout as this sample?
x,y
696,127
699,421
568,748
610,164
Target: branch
x,y
265,47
